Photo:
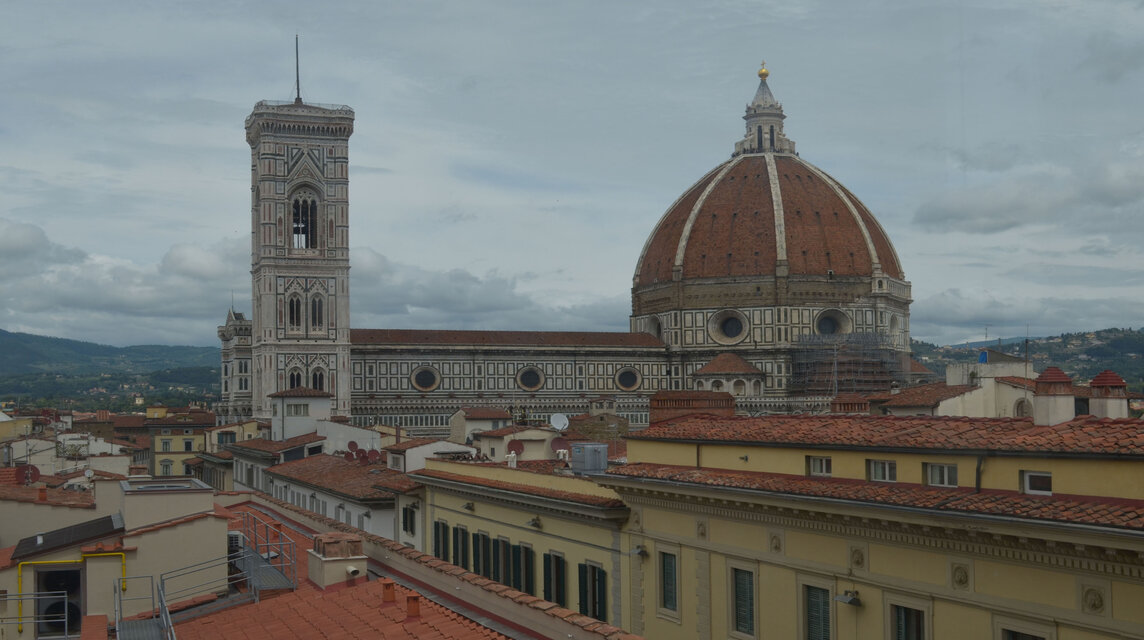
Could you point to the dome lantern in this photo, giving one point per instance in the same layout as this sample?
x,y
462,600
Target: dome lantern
x,y
764,117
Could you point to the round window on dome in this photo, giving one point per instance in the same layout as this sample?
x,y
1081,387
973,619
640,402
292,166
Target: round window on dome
x,y
728,326
832,322
425,378
628,379
530,378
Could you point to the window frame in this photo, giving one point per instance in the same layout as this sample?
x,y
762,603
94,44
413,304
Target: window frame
x,y
663,583
593,590
1025,485
804,581
890,466
555,577
752,568
1004,625
819,473
891,599
943,469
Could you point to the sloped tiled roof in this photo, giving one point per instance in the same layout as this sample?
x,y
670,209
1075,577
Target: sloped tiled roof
x,y
556,494
1084,435
1109,512
486,413
504,338
276,446
728,363
301,392
926,395
917,367
406,445
339,475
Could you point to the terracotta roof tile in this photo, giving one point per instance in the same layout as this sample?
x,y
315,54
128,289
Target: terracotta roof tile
x,y
728,363
338,475
486,413
917,367
1109,512
406,445
582,498
276,446
1053,374
504,338
1084,435
301,392
505,431
926,395
55,497
1108,378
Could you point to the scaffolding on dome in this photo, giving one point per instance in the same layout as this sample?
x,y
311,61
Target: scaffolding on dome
x,y
826,365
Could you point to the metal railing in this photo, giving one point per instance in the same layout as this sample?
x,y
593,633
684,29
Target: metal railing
x,y
48,623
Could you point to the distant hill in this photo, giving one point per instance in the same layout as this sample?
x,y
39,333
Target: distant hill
x,y
1081,355
24,353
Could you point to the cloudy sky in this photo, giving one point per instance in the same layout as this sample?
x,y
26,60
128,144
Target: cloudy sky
x,y
510,158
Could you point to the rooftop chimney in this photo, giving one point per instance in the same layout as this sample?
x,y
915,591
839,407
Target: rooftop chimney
x,y
1054,402
1109,396
388,590
336,558
42,494
413,606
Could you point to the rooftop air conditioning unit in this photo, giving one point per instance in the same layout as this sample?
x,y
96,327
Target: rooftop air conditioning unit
x,y
589,457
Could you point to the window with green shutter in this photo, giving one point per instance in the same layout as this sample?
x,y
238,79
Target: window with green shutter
x,y
461,547
817,602
441,540
554,580
593,591
743,597
909,624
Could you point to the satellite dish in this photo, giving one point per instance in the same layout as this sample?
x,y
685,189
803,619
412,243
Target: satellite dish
x,y
515,446
559,421
349,456
374,455
353,445
559,443
360,453
88,473
27,473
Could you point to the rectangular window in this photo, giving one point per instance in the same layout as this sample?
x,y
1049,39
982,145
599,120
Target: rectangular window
x,y
555,582
188,445
482,555
743,601
1037,482
1007,634
523,569
461,547
166,444
441,540
817,605
941,475
668,582
593,591
297,410
818,466
408,520
882,470
908,624
226,437
501,561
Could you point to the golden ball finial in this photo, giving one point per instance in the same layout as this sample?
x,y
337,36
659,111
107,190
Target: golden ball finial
x,y
763,73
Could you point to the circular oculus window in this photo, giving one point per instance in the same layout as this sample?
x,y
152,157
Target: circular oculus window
x,y
728,326
628,379
530,378
832,322
425,378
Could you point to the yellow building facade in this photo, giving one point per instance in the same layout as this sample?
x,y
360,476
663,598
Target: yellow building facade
x,y
862,527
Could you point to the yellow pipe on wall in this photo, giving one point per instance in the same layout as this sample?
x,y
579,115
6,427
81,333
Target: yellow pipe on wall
x,y
83,556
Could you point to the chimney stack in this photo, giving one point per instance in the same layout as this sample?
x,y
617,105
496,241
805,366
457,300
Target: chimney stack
x,y
388,590
42,494
412,606
337,558
1054,402
1109,396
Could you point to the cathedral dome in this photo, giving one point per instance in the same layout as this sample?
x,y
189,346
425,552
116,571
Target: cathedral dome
x,y
765,212
758,213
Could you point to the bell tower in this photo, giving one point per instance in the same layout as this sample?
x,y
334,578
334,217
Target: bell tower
x,y
300,263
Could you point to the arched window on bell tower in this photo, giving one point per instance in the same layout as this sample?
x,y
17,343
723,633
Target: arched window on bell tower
x,y
294,313
295,379
317,313
318,380
304,220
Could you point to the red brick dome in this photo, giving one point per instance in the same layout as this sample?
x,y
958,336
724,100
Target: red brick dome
x,y
756,211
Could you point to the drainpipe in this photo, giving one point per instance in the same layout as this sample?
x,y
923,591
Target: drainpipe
x,y
977,480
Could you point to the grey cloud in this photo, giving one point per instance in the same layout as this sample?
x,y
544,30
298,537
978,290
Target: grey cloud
x,y
1110,58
